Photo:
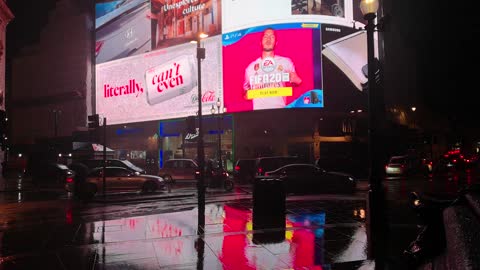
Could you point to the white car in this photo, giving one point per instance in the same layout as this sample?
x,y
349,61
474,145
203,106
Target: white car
x,y
120,179
398,165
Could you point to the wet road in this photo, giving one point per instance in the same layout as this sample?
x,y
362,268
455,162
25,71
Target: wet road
x,y
158,231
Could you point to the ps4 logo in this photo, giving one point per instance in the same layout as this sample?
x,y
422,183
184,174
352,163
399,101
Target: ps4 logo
x,y
234,35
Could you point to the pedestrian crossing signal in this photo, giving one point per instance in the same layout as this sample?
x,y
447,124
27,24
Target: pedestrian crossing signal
x,y
191,126
93,121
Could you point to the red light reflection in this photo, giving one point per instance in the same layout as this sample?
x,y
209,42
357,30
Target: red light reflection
x,y
236,247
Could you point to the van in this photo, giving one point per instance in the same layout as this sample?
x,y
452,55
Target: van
x,y
244,170
179,169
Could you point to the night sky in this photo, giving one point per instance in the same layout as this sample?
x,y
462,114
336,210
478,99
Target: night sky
x,y
441,35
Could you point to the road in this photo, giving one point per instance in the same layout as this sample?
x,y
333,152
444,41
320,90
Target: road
x,y
36,219
47,205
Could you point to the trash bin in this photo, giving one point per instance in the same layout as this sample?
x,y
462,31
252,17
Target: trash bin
x,y
269,210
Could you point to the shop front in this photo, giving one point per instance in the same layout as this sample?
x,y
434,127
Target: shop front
x,y
176,142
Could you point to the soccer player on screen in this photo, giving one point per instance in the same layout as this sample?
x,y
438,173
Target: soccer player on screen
x,y
270,71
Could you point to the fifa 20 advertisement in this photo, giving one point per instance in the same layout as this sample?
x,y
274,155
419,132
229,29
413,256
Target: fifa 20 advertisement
x,y
266,68
300,54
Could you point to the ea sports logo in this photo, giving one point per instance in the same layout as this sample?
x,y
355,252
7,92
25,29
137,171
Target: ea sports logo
x,y
268,64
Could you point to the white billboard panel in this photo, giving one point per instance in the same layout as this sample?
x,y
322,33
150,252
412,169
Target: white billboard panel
x,y
159,85
251,13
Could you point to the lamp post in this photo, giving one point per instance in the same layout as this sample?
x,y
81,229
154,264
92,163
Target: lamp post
x,y
413,116
55,122
200,150
376,222
220,113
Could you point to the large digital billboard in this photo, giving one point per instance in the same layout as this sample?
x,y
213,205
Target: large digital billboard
x,y
159,85
267,54
125,28
266,68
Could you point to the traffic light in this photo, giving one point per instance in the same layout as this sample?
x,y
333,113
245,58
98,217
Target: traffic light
x,y
191,125
93,121
3,123
3,130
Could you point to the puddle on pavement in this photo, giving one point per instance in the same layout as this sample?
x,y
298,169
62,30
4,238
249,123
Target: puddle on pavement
x,y
233,239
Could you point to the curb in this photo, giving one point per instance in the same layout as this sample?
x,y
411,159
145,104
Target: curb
x,y
99,199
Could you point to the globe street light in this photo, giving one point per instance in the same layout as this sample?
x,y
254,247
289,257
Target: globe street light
x,y
413,116
376,198
220,113
200,150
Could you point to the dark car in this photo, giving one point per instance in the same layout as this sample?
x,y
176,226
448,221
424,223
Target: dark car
x,y
306,178
120,179
265,164
244,171
53,175
97,163
357,167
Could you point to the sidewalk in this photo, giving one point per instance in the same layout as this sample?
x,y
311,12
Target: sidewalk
x,y
314,235
15,184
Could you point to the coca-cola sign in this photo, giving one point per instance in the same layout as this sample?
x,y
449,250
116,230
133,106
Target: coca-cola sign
x,y
207,97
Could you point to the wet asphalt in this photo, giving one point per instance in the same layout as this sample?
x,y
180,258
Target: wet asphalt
x,y
48,229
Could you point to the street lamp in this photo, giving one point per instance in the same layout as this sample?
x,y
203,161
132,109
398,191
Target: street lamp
x,y
376,197
55,122
219,128
413,117
200,150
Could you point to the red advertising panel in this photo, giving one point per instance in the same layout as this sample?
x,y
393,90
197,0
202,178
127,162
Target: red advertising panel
x,y
274,66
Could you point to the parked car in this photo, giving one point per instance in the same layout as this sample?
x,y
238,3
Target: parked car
x,y
357,167
53,175
122,29
121,179
306,178
403,165
97,163
179,169
244,171
265,164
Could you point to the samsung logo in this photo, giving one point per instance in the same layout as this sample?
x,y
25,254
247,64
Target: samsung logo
x,y
329,29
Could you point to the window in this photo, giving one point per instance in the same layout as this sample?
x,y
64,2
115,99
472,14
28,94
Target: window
x,y
300,169
95,173
189,164
118,172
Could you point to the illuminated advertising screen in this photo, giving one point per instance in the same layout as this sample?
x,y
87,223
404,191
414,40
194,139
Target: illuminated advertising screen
x,y
125,28
159,85
268,54
266,67
179,21
121,29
